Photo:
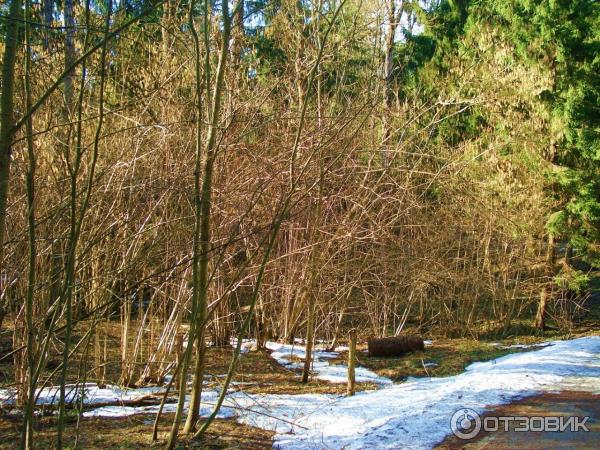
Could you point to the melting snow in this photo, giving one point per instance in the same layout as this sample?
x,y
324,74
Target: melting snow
x,y
542,344
415,414
208,399
287,355
93,394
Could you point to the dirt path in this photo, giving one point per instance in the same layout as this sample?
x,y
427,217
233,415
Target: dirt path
x,y
566,403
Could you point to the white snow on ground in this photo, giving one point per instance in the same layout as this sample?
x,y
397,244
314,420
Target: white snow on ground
x,y
92,394
208,399
416,414
412,415
247,344
524,346
282,353
292,357
542,344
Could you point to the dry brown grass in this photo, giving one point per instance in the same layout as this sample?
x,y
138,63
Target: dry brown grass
x,y
134,433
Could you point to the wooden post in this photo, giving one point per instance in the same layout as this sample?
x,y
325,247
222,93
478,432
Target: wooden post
x,y
352,363
178,355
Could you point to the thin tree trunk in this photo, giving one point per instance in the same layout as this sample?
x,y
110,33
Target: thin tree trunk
x,y
27,434
309,293
7,130
202,233
238,35
48,18
205,204
310,336
388,68
77,215
314,235
540,317
69,23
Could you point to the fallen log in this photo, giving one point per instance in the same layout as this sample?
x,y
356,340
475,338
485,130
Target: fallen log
x,y
394,346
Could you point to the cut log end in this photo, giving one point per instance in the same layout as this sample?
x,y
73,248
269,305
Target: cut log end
x,y
394,346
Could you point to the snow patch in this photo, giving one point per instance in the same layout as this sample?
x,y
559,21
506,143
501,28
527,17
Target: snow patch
x,y
417,414
92,394
541,344
412,415
292,357
208,399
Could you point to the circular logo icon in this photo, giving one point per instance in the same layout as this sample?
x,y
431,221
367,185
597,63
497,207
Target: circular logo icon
x,y
465,423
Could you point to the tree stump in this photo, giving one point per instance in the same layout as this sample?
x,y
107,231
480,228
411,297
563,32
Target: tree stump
x,y
394,346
